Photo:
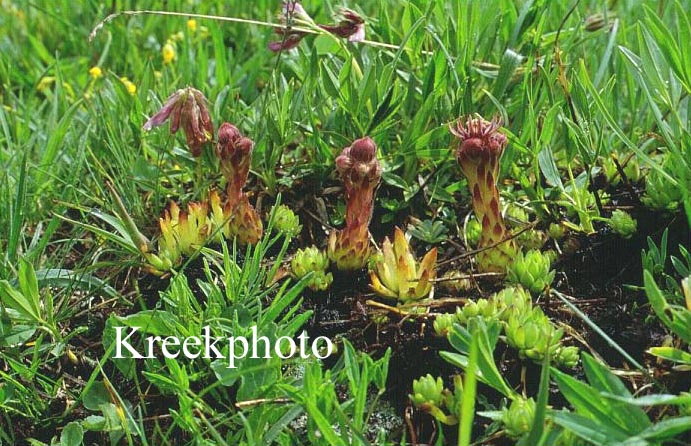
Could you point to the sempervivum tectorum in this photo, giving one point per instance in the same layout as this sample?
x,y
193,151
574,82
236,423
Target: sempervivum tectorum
x,y
399,275
480,147
360,172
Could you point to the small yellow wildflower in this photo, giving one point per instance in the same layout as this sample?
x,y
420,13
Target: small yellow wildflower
x,y
168,53
96,72
177,37
158,75
129,85
45,83
192,25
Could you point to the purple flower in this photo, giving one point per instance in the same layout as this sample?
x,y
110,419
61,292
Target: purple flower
x,y
188,108
350,26
291,11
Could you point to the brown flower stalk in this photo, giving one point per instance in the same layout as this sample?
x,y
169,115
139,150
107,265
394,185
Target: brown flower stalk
x,y
479,149
235,154
360,172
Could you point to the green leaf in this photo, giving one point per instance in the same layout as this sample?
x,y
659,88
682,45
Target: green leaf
x,y
18,302
589,402
509,62
84,281
654,400
677,320
549,168
154,322
72,434
667,429
28,285
487,372
538,426
94,423
96,396
594,431
671,354
13,335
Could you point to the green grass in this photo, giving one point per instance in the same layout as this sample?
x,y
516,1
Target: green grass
x,y
579,101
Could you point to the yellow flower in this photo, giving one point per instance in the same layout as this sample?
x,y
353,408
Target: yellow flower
x,y
158,75
168,53
192,25
96,72
129,85
45,83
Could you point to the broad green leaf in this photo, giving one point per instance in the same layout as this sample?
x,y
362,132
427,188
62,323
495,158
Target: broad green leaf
x,y
28,285
72,434
588,402
507,66
599,432
64,277
487,372
18,302
13,335
95,396
679,321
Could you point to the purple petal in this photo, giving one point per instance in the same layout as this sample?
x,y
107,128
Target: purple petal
x,y
164,113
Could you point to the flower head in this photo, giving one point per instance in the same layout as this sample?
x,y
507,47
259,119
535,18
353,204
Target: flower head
x,y
192,25
479,138
168,53
350,25
360,172
129,85
96,72
188,108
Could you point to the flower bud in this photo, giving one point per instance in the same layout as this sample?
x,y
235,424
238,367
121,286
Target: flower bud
x,y
531,270
480,146
286,221
518,418
443,323
566,356
312,260
427,391
623,224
